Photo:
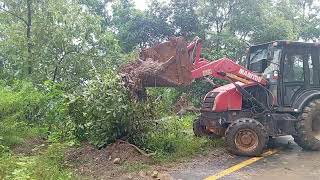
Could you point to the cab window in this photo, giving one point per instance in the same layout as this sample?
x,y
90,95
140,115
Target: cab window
x,y
300,65
293,67
258,59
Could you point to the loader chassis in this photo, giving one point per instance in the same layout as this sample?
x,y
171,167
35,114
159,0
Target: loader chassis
x,y
292,70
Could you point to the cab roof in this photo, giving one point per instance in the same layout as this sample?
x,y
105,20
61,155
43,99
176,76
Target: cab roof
x,y
289,43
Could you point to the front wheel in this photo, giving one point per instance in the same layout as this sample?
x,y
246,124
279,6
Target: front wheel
x,y
246,137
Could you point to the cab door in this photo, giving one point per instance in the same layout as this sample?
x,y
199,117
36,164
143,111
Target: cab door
x,y
298,69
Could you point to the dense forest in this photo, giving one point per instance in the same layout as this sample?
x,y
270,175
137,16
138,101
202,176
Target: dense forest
x,y
59,63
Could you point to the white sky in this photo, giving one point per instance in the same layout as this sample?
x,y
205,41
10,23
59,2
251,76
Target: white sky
x,y
141,4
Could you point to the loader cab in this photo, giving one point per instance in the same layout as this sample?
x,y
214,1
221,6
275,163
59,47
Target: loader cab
x,y
292,69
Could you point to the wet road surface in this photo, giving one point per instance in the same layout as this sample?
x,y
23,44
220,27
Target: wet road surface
x,y
291,162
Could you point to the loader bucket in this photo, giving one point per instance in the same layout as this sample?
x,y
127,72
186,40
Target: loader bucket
x,y
174,65
164,65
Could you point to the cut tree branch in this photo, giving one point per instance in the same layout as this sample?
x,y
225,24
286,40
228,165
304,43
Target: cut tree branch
x,y
137,148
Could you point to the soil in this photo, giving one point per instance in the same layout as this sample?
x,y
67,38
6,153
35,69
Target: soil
x,y
92,163
31,147
99,164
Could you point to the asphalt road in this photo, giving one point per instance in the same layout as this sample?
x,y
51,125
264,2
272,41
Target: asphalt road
x,y
290,162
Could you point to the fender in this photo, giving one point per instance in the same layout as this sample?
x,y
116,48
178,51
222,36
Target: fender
x,y
228,97
305,97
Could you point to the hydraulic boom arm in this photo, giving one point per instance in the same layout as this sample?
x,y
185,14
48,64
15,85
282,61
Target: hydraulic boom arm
x,y
223,68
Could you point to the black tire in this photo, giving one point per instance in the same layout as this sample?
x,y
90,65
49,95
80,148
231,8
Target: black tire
x,y
308,126
246,127
200,130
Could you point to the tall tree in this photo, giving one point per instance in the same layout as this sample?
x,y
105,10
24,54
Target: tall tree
x,y
99,7
136,28
184,17
68,42
21,12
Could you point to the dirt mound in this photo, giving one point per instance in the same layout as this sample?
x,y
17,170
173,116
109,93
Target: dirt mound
x,y
91,162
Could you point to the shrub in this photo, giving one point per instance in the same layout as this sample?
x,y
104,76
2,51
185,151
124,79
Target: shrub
x,y
55,113
23,105
173,138
164,100
105,112
19,109
20,101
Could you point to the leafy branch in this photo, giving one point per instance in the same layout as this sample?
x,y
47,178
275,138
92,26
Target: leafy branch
x,y
3,8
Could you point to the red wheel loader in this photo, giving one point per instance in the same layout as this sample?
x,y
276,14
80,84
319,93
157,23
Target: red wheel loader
x,y
276,94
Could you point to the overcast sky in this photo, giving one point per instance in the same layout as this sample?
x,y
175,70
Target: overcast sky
x,y
141,4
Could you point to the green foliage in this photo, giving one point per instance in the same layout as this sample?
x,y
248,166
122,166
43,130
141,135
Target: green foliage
x,y
14,132
163,100
23,106
19,101
55,113
27,113
134,166
173,138
68,43
58,62
49,165
105,112
136,28
184,18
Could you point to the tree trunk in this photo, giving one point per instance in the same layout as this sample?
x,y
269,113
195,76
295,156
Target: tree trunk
x,y
29,43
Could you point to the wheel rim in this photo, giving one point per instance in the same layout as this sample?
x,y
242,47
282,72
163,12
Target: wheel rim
x,y
246,140
316,126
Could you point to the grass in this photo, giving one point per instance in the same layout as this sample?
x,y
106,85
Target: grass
x,y
174,140
47,165
13,132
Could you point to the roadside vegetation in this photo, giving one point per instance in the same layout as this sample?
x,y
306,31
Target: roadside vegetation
x,y
40,123
60,91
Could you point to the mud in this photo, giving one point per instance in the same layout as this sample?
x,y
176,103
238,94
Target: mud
x,y
164,65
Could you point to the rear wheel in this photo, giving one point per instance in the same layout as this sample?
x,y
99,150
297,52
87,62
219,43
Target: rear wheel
x,y
201,130
308,127
246,137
